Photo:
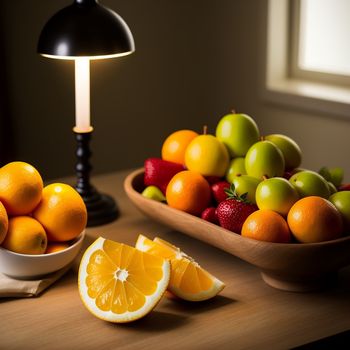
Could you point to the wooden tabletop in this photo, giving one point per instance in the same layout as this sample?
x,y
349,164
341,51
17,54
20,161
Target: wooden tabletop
x,y
247,314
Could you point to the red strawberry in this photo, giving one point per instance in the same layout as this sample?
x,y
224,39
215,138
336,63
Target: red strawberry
x,y
213,179
287,174
344,187
158,172
209,214
218,190
233,211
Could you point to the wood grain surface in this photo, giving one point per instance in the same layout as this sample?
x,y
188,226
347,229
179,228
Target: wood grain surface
x,y
247,314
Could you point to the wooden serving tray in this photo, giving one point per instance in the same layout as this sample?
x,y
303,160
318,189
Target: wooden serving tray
x,y
286,266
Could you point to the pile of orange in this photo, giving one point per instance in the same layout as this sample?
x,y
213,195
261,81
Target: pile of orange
x,y
311,219
315,219
174,147
188,190
266,225
35,219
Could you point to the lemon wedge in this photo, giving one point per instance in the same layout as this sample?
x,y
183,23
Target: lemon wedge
x,y
188,280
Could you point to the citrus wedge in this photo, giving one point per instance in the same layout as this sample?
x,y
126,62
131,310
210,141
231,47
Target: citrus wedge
x,y
118,283
188,280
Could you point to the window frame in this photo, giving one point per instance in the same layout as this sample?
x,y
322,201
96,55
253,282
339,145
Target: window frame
x,y
279,86
294,38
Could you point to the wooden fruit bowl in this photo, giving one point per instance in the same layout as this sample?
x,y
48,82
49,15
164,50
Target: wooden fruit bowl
x,y
287,266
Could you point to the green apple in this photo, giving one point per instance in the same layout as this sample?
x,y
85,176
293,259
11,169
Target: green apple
x,y
290,149
246,184
153,192
324,171
207,155
238,132
276,194
332,188
341,200
310,183
236,167
264,159
334,175
337,175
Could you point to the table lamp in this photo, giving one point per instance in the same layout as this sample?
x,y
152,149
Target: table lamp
x,y
86,31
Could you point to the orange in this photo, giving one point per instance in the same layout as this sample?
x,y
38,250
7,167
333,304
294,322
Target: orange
x,y
55,247
25,236
118,283
207,155
266,225
175,145
20,188
188,280
188,191
62,212
315,219
4,223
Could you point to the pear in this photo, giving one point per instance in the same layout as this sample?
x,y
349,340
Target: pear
x,y
238,132
236,167
246,184
153,192
290,149
264,159
341,200
276,194
310,183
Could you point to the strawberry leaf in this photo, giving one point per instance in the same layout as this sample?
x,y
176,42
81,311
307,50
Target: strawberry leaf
x,y
244,196
232,194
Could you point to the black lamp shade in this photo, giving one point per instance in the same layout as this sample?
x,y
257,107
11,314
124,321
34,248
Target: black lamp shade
x,y
85,28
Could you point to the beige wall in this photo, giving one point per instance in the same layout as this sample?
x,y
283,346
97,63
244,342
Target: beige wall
x,y
195,60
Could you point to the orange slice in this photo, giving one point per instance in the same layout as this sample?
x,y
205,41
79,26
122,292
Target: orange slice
x,y
188,280
118,283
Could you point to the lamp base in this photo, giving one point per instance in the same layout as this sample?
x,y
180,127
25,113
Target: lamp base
x,y
101,208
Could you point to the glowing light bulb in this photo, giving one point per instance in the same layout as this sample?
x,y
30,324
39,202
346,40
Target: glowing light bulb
x,y
82,95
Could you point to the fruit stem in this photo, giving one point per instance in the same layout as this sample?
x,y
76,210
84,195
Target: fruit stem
x,y
262,138
233,111
265,177
205,129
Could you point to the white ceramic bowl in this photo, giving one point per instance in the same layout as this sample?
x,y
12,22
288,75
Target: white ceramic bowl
x,y
25,266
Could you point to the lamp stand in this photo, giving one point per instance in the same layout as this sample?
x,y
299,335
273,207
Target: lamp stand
x,y
101,208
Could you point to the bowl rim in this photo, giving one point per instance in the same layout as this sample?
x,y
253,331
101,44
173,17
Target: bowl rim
x,y
128,183
76,241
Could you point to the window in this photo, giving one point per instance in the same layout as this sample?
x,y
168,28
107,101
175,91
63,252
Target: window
x,y
308,55
321,40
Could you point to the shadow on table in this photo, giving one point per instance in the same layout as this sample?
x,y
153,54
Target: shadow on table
x,y
191,307
337,341
156,321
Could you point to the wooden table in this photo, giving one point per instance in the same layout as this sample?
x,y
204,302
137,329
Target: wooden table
x,y
247,314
